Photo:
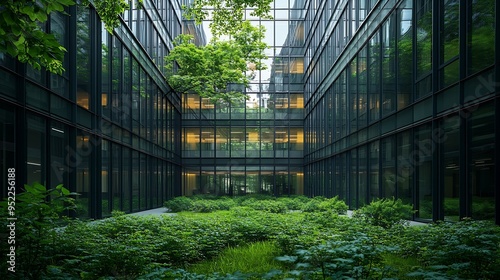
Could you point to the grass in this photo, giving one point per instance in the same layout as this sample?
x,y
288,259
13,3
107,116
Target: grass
x,y
254,258
403,265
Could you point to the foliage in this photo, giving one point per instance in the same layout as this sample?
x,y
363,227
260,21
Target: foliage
x,y
467,249
220,70
38,211
272,206
22,33
321,204
241,199
385,212
226,16
127,246
109,12
252,258
357,256
178,204
22,36
205,206
292,203
319,245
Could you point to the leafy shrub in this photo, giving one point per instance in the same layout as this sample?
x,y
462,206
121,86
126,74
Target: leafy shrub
x,y
385,212
272,206
243,211
205,206
179,204
292,203
333,204
39,211
300,198
311,206
247,202
357,256
322,204
466,250
226,203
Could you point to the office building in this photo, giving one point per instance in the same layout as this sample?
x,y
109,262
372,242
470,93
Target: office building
x,y
362,99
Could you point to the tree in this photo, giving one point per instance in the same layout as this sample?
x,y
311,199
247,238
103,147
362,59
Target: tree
x,y
22,33
227,15
222,69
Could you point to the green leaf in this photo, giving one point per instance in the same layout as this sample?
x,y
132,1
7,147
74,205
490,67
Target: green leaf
x,y
31,189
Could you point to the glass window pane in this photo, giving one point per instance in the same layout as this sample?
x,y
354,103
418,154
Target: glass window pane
x,y
450,153
388,66
424,36
422,156
237,142
8,147
374,170
207,142
405,54
362,176
116,177
83,57
105,188
482,162
388,172
481,37
85,144
405,164
126,179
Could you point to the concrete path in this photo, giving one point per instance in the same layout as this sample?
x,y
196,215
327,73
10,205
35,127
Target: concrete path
x,y
156,211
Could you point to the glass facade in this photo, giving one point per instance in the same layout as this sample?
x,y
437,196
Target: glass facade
x,y
361,99
108,128
401,100
255,146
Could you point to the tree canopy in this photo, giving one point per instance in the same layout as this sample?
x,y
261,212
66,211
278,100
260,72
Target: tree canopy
x,y
227,15
221,70
23,37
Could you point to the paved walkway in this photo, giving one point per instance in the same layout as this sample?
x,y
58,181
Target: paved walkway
x,y
156,211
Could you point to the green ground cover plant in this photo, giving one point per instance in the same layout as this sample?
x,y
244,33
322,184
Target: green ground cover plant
x,y
239,243
258,257
210,203
385,212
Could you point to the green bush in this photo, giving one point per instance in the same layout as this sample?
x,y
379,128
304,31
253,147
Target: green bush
x,y
311,206
272,206
334,204
226,203
205,206
460,250
322,204
355,256
39,211
246,199
179,204
385,212
322,244
292,203
300,198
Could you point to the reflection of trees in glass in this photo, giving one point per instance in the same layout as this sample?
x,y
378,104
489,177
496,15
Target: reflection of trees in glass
x,y
83,54
450,30
481,39
424,37
405,54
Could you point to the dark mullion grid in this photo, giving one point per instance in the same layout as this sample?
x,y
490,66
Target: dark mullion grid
x,y
497,112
